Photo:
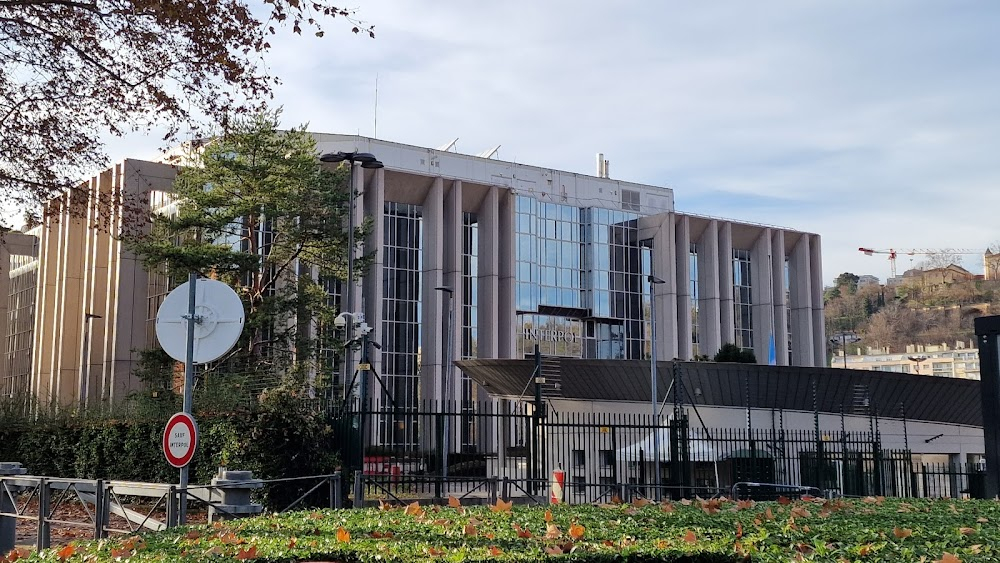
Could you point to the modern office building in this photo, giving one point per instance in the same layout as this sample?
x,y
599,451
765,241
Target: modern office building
x,y
532,256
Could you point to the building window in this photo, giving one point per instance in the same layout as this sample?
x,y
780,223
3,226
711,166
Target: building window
x,y
607,458
693,275
402,226
579,458
742,299
942,369
586,261
579,485
630,200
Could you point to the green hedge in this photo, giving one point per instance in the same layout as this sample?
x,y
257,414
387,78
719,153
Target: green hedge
x,y
278,437
870,530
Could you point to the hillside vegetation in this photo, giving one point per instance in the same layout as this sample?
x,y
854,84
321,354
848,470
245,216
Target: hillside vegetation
x,y
912,313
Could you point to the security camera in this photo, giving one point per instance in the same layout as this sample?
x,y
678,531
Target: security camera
x,y
341,321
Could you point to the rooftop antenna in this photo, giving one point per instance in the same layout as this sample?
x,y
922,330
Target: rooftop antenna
x,y
375,128
489,153
447,147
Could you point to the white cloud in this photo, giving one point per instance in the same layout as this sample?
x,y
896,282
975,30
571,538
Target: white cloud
x,y
872,124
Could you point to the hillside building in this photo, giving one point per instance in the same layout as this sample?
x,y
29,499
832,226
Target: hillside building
x,y
959,361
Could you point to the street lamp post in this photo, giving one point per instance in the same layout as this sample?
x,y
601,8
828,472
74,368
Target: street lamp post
x,y
653,282
358,322
446,376
85,357
367,160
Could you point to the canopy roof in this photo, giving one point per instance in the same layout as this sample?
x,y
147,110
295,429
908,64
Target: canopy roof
x,y
920,397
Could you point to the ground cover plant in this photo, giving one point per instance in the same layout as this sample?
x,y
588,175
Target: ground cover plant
x,y
699,531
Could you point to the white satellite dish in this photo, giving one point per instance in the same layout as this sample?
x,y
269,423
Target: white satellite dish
x,y
219,312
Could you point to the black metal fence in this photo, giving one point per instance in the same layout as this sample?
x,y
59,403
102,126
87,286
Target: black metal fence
x,y
490,448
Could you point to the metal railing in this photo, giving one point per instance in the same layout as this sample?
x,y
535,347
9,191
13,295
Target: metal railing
x,y
39,499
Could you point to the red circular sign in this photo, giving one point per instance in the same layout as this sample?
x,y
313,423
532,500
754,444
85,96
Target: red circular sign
x,y
180,438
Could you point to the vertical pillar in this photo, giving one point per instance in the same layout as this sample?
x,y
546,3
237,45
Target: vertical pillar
x,y
453,256
816,295
682,260
763,310
374,207
800,302
358,210
726,312
709,315
99,268
506,304
779,290
489,274
41,358
664,267
132,284
431,315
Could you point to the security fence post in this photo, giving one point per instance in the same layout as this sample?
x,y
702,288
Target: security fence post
x,y
8,524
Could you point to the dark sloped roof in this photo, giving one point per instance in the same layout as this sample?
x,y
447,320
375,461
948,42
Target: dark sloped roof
x,y
937,399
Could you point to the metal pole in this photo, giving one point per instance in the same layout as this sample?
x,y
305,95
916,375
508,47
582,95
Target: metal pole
x,y
843,346
906,435
364,392
446,384
349,351
85,356
188,381
653,392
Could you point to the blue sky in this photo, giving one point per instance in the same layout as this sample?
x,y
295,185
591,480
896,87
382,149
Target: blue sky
x,y
871,123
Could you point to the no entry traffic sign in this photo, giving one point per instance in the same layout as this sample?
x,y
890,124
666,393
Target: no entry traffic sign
x,y
180,438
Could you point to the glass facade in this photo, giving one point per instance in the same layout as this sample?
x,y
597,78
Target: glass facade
x,y
400,334
693,277
470,324
743,299
20,322
580,281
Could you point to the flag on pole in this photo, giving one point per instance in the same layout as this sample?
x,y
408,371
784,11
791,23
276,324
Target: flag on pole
x,y
772,355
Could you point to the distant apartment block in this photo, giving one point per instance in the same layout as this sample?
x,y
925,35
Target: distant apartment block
x,y
960,360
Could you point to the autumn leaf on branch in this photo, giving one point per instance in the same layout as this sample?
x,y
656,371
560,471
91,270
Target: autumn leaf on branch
x,y
73,74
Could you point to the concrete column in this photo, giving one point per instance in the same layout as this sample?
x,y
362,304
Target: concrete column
x,y
816,296
800,303
359,217
779,289
113,249
132,284
683,262
763,311
373,284
506,303
431,315
728,323
99,268
664,267
41,357
489,274
453,233
709,320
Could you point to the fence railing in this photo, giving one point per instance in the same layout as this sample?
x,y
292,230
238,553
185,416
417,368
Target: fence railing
x,y
402,455
124,507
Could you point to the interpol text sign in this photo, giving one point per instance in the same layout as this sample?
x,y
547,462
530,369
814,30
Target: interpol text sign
x,y
180,439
